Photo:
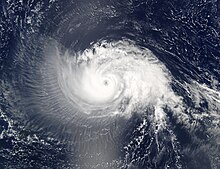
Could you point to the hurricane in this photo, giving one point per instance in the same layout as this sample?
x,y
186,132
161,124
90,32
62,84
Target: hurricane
x,y
109,84
100,80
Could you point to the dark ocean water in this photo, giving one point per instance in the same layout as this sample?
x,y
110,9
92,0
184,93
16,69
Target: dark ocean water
x,y
183,35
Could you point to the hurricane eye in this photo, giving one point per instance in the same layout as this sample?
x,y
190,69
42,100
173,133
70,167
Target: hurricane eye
x,y
105,82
